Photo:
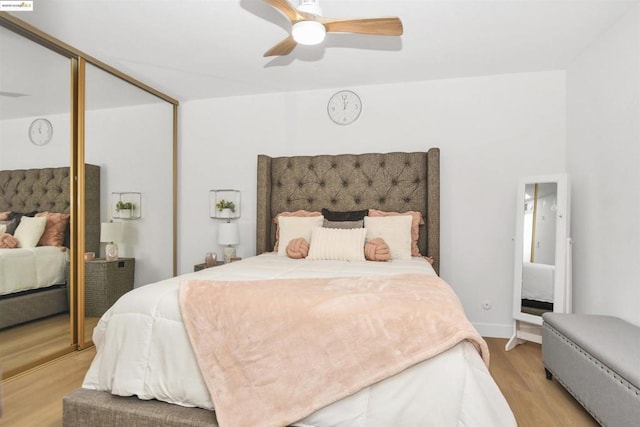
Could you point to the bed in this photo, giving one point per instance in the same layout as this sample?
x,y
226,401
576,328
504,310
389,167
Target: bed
x,y
537,287
33,281
147,361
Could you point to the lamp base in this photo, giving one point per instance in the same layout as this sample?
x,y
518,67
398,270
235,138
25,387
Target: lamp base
x,y
228,253
111,251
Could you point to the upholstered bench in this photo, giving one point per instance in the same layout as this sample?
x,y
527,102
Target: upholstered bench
x,y
597,359
83,407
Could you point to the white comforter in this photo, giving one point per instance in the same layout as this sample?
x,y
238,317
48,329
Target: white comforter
x,y
143,350
30,268
538,281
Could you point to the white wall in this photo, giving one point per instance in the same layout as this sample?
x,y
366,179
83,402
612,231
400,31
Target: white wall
x,y
17,151
603,160
491,130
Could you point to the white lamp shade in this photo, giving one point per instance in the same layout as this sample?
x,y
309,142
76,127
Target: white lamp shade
x,y
228,233
111,232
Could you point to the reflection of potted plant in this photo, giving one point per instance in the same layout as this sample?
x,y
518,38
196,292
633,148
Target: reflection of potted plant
x,y
226,208
125,208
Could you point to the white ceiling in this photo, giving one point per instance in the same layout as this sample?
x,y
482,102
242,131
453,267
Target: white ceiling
x,y
193,49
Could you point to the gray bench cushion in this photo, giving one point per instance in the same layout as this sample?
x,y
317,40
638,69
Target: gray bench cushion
x,y
613,341
93,408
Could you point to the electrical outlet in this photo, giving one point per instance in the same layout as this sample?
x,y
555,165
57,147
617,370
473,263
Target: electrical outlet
x,y
486,304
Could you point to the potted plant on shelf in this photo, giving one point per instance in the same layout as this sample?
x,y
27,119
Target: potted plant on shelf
x,y
225,208
124,209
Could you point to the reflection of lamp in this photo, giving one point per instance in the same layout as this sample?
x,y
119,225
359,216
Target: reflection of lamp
x,y
111,232
228,235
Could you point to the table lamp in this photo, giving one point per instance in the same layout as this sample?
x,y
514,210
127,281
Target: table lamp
x,y
228,235
110,233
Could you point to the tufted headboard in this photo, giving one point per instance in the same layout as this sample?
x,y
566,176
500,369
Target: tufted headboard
x,y
391,182
48,189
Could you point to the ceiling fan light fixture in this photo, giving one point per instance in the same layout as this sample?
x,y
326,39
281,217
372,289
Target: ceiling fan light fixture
x,y
308,32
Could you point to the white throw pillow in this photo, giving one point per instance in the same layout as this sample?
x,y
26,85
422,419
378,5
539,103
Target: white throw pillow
x,y
29,231
337,244
395,230
292,227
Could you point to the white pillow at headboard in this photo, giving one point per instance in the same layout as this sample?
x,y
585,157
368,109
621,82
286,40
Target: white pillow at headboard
x,y
29,231
394,230
293,227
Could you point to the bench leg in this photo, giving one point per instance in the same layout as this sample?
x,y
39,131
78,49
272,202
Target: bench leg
x,y
548,374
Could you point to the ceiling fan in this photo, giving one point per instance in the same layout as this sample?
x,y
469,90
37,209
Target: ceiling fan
x,y
309,27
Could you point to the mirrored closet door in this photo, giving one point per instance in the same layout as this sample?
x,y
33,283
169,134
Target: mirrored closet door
x,y
35,160
115,139
129,139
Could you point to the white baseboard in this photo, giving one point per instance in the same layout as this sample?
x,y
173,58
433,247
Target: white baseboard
x,y
491,330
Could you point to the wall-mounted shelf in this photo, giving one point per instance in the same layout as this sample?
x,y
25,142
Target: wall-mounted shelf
x,y
230,199
121,201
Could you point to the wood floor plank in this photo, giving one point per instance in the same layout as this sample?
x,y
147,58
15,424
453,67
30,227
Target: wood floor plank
x,y
534,400
25,344
35,398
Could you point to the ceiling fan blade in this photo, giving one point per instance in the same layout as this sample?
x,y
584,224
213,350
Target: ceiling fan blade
x,y
377,26
283,48
286,9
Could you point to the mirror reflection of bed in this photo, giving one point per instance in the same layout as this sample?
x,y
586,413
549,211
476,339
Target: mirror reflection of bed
x,y
34,280
537,288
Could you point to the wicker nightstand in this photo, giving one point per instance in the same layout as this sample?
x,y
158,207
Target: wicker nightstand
x,y
202,266
105,282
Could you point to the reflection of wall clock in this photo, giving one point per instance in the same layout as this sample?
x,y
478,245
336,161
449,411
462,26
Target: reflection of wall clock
x,y
40,131
344,107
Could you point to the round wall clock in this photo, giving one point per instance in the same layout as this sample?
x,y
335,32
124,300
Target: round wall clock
x,y
40,131
344,107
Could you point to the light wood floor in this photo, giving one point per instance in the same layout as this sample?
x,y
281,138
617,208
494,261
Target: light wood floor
x,y
29,344
35,398
25,344
534,400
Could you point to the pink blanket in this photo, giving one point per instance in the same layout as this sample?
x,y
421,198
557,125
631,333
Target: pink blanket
x,y
272,352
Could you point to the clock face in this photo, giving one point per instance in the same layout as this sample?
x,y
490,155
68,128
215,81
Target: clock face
x,y
40,131
344,107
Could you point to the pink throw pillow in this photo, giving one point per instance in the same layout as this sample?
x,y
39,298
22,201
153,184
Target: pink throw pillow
x,y
4,215
298,248
7,241
53,234
377,250
416,222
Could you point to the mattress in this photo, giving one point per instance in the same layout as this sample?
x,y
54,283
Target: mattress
x,y
143,350
24,269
